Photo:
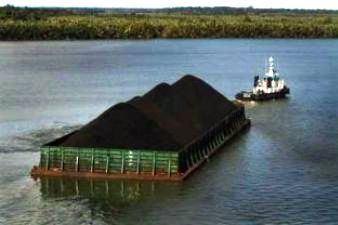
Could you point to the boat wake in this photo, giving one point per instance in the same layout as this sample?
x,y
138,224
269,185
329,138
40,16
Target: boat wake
x,y
31,141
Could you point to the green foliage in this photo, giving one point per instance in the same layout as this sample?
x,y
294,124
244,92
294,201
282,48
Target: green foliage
x,y
327,20
247,19
147,26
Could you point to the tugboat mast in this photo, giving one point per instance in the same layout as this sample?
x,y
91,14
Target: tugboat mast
x,y
272,72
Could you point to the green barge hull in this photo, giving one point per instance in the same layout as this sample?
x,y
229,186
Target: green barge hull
x,y
140,164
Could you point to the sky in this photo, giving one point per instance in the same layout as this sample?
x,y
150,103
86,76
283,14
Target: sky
x,y
301,4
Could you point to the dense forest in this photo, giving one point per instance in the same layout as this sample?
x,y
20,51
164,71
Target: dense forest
x,y
219,22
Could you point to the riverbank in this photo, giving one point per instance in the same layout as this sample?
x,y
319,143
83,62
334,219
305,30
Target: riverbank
x,y
150,26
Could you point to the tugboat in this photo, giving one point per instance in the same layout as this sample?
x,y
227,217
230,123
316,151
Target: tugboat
x,y
270,87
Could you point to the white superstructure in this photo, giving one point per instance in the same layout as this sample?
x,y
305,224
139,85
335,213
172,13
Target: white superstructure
x,y
271,83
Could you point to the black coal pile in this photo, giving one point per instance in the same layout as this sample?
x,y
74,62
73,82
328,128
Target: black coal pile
x,y
166,118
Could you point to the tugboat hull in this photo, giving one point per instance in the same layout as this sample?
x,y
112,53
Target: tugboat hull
x,y
249,96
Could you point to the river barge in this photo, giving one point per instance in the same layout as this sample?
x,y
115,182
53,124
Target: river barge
x,y
270,87
183,124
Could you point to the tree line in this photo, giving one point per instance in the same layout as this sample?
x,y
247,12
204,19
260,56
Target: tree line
x,y
69,25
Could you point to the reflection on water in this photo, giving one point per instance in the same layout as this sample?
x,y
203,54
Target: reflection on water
x,y
118,191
